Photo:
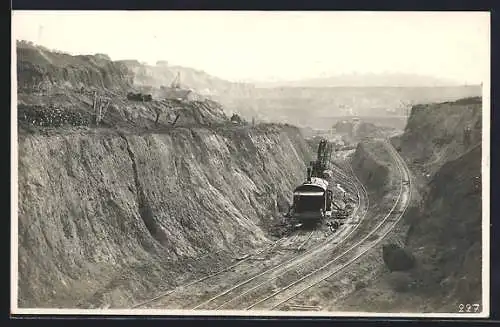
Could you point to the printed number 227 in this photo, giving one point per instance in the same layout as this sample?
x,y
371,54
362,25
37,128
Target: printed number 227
x,y
468,307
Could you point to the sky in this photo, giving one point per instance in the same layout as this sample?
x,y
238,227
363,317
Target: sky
x,y
274,46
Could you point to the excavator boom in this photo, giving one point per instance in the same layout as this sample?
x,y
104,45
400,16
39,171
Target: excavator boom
x,y
323,158
176,83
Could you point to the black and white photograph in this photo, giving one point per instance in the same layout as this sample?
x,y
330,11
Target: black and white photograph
x,y
319,163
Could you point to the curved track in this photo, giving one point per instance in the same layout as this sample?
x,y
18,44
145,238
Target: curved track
x,y
285,293
241,291
363,204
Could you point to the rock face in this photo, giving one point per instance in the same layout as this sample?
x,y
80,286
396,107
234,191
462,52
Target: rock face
x,y
442,145
445,233
41,69
73,84
110,214
371,162
441,132
163,74
97,211
353,132
283,203
396,258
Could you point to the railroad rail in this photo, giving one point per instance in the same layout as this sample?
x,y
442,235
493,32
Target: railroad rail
x,y
306,240
230,295
272,247
345,259
166,293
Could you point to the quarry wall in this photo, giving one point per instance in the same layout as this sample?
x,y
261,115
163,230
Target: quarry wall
x,y
442,146
110,214
98,209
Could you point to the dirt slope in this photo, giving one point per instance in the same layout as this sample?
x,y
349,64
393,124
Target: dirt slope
x,y
442,229
446,233
353,132
111,214
91,207
41,69
373,165
162,74
434,133
56,86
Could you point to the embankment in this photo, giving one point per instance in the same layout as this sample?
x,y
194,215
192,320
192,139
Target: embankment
x,y
440,132
443,227
112,212
445,234
442,145
109,218
375,168
39,69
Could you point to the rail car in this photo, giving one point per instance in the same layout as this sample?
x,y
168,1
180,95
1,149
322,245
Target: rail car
x,y
312,201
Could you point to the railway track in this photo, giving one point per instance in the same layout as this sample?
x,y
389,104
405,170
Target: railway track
x,y
166,293
279,297
247,287
301,246
346,179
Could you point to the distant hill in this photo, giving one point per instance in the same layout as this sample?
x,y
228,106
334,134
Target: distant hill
x,y
365,80
322,107
39,68
314,106
35,61
162,74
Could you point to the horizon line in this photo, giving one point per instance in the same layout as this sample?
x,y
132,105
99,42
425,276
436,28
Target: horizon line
x,y
273,83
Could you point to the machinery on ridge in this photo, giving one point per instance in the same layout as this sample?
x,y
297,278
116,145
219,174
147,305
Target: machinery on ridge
x,y
176,83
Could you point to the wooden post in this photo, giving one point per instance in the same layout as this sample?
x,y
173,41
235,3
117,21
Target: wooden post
x,y
175,120
106,108
98,108
157,116
100,112
94,103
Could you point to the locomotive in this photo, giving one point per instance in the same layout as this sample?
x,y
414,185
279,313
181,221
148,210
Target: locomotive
x,y
313,200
